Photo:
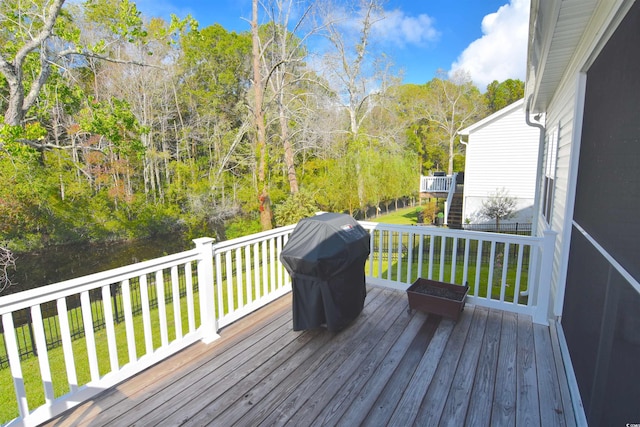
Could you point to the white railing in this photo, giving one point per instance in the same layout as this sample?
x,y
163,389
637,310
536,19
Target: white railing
x,y
504,271
186,297
435,184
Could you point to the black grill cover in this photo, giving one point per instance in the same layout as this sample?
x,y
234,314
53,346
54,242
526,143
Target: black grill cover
x,y
325,256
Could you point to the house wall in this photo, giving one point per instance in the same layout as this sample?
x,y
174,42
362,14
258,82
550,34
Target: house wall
x,y
501,154
564,115
595,274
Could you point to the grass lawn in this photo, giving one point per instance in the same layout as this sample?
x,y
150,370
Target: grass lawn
x,y
404,216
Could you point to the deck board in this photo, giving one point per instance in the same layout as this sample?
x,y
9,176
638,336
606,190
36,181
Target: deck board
x,y
479,410
390,366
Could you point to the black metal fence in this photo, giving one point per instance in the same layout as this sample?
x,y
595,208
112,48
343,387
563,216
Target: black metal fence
x,y
519,228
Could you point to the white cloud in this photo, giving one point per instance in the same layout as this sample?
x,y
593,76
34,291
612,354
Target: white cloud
x,y
501,53
402,30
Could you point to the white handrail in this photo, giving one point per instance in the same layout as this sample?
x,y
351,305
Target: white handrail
x,y
435,184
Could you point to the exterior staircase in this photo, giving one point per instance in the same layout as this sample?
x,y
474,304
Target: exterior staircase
x,y
455,211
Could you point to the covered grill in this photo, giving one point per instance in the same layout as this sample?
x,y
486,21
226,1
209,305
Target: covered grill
x,y
325,256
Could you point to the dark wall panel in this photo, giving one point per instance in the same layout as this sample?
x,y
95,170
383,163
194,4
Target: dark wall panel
x,y
608,193
601,315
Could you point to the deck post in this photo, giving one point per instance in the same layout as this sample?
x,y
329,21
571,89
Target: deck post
x,y
208,326
541,315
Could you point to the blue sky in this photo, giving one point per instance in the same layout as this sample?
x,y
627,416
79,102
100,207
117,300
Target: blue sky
x,y
487,38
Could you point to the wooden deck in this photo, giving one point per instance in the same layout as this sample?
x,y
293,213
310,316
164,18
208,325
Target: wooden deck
x,y
390,367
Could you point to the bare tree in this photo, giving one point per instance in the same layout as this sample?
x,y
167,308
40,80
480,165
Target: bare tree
x,y
350,66
452,104
7,261
499,206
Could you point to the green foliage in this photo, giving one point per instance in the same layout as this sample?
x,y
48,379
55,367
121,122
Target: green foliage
x,y
499,95
242,226
294,208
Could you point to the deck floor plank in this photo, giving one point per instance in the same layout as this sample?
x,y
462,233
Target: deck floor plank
x,y
412,397
528,404
434,401
551,411
479,411
504,398
390,366
455,409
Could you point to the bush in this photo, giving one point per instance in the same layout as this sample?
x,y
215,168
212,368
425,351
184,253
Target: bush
x,y
294,208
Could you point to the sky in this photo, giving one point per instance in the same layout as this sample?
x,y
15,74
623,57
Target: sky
x,y
486,38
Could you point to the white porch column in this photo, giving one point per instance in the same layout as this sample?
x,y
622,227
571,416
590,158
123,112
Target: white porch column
x,y
541,315
208,323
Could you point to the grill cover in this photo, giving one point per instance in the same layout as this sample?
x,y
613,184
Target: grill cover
x,y
325,256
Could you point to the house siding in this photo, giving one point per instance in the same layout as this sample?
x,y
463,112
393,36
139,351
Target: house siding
x,y
501,154
595,278
562,113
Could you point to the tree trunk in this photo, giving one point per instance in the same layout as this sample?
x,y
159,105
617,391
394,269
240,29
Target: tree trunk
x,y
261,144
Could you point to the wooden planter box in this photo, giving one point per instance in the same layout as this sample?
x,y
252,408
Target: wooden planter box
x,y
443,299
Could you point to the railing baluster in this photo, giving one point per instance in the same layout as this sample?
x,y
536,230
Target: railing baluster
x,y
491,266
251,297
476,291
239,281
410,240
188,275
465,268
162,308
219,284
264,266
454,257
443,247
67,347
175,291
399,264
13,353
272,264
256,270
390,257
505,267
43,356
87,320
516,291
431,250
128,320
146,314
111,333
229,278
380,249
420,253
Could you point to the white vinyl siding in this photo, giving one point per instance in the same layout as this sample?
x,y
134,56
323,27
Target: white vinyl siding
x,y
561,113
502,153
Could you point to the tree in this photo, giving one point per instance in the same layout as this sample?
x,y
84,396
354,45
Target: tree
x,y
266,217
43,37
499,206
7,261
350,67
499,95
452,104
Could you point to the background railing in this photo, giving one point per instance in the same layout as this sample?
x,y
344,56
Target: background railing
x,y
100,329
435,184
